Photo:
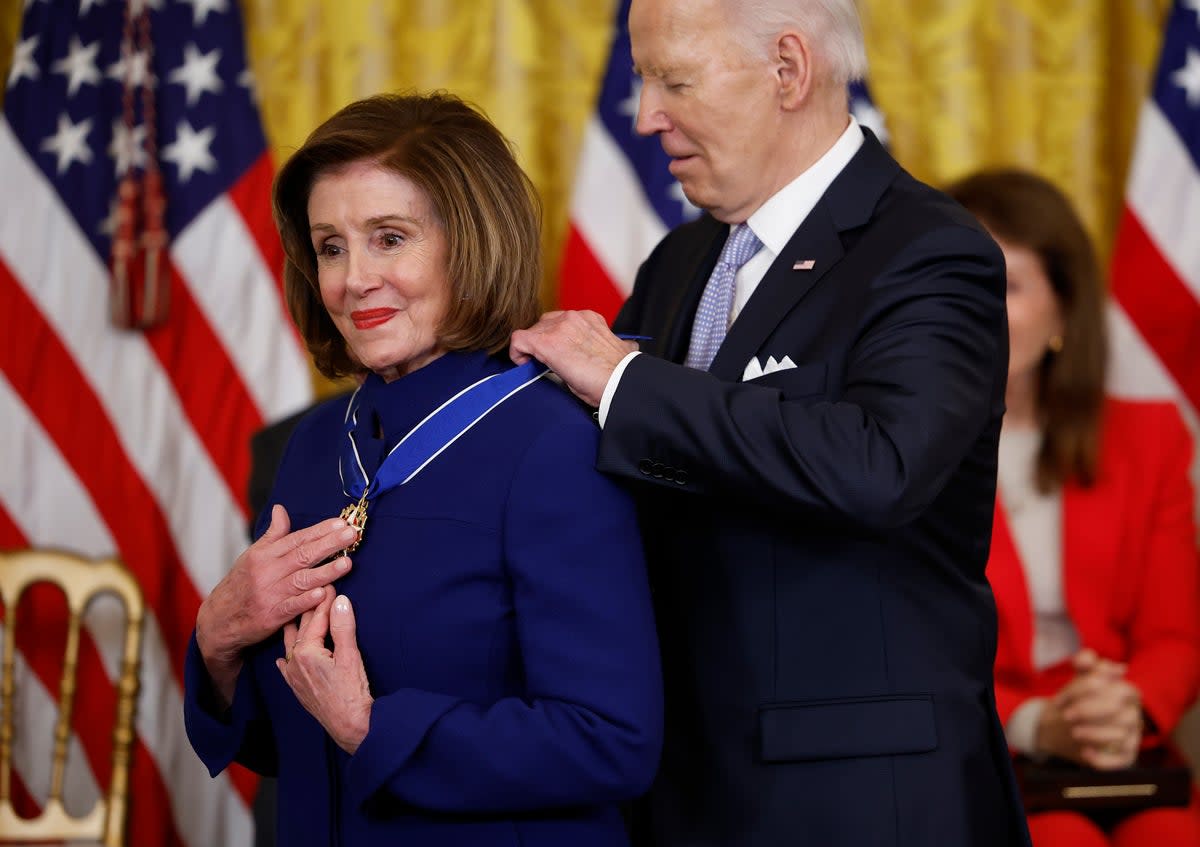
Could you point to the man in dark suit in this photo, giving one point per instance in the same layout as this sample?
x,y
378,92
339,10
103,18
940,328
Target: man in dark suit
x,y
817,498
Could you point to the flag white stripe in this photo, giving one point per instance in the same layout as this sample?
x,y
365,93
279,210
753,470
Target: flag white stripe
x,y
137,395
1164,193
224,270
610,210
206,811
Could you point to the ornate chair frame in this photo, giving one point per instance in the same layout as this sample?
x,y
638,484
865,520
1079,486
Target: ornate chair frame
x,y
80,579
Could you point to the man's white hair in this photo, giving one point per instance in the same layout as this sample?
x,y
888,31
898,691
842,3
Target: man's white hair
x,y
832,26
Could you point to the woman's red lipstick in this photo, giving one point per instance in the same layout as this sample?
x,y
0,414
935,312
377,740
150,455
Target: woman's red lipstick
x,y
369,318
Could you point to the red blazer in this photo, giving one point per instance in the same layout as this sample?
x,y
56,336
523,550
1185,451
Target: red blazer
x,y
1132,579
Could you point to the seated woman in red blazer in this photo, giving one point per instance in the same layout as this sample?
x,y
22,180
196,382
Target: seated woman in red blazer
x,y
1094,558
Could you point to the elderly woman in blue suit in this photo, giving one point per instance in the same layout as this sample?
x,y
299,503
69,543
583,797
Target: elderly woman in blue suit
x,y
475,662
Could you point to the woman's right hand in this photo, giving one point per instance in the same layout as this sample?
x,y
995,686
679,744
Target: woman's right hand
x,y
271,583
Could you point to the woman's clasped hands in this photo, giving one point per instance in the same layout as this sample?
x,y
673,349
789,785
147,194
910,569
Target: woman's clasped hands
x,y
1096,718
281,576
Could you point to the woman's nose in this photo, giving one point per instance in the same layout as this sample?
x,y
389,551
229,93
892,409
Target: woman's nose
x,y
361,276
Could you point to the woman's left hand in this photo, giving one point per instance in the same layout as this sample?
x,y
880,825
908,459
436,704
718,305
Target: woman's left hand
x,y
331,686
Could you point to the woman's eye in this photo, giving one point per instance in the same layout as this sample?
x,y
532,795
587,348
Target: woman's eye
x,y
390,239
329,250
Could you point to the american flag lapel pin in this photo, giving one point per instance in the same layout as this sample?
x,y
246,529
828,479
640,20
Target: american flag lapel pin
x,y
803,264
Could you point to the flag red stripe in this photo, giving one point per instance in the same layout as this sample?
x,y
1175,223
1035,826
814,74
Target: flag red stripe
x,y
584,284
75,420
11,537
22,800
1159,304
209,386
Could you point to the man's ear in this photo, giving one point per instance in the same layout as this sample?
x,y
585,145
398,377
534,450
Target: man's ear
x,y
794,69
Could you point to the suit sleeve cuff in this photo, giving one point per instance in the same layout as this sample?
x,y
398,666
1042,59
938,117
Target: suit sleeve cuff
x,y
1021,730
610,388
215,734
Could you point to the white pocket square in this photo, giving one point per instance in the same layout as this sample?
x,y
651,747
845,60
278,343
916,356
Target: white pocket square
x,y
754,370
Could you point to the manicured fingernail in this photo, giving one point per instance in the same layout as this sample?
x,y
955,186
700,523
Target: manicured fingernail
x,y
342,565
341,605
317,593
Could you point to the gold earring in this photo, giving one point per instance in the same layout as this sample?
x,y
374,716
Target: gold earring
x,y
1055,343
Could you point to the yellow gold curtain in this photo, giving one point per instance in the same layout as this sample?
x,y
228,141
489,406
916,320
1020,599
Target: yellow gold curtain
x,y
1053,85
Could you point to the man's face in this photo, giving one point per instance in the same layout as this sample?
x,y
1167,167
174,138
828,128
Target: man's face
x,y
713,105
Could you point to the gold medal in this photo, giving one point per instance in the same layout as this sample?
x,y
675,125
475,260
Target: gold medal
x,y
355,515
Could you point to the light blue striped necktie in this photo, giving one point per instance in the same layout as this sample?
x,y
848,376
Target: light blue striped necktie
x,y
716,304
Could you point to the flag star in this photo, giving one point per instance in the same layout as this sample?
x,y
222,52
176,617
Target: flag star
x,y
139,6
629,106
201,8
136,65
689,211
1188,77
1194,5
86,5
865,113
69,143
190,151
127,146
24,66
246,80
198,73
79,65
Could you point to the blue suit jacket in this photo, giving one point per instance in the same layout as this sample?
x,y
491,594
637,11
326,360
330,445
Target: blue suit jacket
x,y
505,623
817,536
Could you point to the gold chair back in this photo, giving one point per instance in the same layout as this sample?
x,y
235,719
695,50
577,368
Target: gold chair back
x,y
80,580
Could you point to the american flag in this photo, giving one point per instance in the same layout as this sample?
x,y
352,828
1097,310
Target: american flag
x,y
624,199
1155,316
128,441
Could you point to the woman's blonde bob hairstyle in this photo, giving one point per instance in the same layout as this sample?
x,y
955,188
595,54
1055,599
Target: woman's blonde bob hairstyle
x,y
483,200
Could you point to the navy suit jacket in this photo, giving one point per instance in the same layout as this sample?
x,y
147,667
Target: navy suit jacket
x,y
817,536
504,619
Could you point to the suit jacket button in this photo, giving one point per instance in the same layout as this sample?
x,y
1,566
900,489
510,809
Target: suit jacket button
x,y
645,466
681,477
657,470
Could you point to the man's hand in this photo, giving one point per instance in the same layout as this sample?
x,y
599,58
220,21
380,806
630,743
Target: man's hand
x,y
577,346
